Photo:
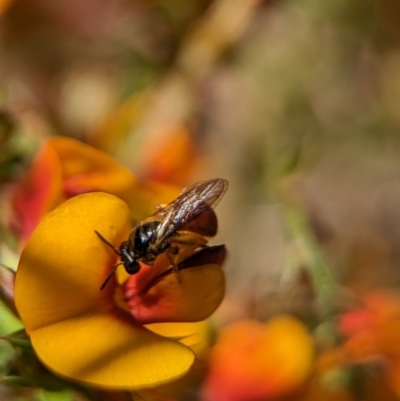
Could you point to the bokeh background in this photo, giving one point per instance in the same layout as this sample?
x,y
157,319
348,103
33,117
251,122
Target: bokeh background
x,y
296,103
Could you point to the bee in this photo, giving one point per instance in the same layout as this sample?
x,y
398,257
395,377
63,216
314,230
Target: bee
x,y
185,223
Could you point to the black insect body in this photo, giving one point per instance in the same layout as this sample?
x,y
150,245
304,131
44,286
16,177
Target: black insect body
x,y
184,222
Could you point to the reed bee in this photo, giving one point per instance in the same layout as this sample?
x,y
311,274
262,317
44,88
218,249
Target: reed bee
x,y
185,222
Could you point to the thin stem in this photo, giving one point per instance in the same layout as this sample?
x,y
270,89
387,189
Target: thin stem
x,y
310,257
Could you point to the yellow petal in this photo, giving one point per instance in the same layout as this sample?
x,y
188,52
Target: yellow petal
x,y
177,330
292,349
72,324
195,335
99,349
64,263
150,194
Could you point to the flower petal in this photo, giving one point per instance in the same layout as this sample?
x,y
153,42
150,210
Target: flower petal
x,y
64,263
148,195
196,335
98,349
253,361
190,296
39,192
192,299
177,330
88,169
169,155
72,324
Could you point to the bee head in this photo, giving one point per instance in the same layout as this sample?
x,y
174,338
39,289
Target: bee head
x,y
128,258
131,267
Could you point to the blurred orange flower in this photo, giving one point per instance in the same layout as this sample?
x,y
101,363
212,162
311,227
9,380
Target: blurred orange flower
x,y
372,334
253,361
373,330
4,4
98,337
63,168
172,157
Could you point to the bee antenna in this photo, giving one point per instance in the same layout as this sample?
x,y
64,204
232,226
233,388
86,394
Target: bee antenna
x,y
112,272
116,250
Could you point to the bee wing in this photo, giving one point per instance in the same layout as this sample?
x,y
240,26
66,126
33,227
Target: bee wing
x,y
192,210
205,224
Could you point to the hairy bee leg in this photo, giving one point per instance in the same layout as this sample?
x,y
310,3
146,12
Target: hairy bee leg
x,y
183,238
188,239
173,250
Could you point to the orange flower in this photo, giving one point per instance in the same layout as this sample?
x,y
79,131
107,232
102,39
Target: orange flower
x,y
63,168
98,337
373,333
373,330
169,155
4,4
253,361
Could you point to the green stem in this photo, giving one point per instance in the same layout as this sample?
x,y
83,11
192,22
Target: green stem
x,y
310,257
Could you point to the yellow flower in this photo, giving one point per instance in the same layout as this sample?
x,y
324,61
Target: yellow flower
x,y
98,337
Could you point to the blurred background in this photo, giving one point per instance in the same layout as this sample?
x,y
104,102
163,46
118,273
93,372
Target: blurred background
x,y
296,103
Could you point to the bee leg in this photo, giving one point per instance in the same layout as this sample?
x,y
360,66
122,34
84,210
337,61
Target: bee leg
x,y
185,238
174,250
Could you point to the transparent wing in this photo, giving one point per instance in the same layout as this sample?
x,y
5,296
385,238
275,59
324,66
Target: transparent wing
x,y
186,211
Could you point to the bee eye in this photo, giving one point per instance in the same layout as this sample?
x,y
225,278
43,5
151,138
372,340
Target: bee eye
x,y
132,267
